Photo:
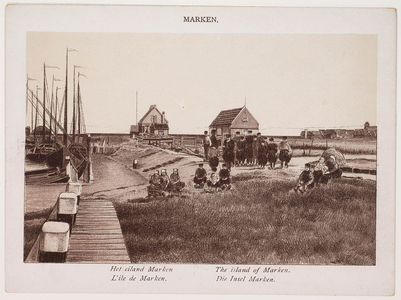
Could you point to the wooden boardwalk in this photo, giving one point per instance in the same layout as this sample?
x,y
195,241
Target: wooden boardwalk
x,y
96,236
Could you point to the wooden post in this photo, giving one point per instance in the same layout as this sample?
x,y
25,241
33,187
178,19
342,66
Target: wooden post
x,y
182,140
87,171
310,148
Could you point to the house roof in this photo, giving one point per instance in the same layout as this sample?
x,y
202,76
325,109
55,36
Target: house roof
x,y
226,117
148,112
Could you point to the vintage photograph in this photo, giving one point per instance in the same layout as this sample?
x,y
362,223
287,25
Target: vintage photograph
x,y
200,148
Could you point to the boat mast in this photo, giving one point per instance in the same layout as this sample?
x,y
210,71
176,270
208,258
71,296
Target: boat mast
x,y
65,104
36,115
55,114
44,102
79,110
79,105
32,110
51,108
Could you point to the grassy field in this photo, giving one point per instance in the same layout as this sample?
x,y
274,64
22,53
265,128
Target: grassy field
x,y
33,223
260,222
346,146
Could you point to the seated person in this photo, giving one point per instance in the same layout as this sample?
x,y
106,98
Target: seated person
x,y
319,172
154,184
305,180
164,180
213,182
175,182
333,167
200,177
225,180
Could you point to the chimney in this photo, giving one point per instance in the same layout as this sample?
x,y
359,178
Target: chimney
x,y
163,117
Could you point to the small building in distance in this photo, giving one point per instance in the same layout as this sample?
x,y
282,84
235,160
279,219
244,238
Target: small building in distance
x,y
370,131
367,131
233,120
153,122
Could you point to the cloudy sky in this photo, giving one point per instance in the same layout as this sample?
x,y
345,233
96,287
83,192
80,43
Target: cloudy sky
x,y
290,81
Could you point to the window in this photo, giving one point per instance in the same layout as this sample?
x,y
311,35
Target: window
x,y
154,119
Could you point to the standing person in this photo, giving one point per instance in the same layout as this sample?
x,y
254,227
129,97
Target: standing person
x,y
262,154
214,158
213,140
175,182
225,180
305,180
285,152
236,139
200,177
272,153
255,150
241,145
228,152
249,147
206,144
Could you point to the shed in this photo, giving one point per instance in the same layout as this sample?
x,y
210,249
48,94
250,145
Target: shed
x,y
233,120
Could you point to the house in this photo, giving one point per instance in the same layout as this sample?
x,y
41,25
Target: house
x,y
233,120
153,122
312,134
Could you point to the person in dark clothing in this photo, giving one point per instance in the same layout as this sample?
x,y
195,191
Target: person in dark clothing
x,y
285,152
214,158
213,140
241,151
225,180
272,153
305,180
262,154
249,148
200,177
228,152
236,139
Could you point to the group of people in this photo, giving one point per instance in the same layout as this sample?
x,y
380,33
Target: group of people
x,y
222,181
248,150
163,185
321,173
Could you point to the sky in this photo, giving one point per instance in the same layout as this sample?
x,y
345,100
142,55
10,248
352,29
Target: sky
x,y
289,82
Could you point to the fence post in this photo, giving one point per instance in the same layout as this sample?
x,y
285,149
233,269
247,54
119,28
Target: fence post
x,y
182,140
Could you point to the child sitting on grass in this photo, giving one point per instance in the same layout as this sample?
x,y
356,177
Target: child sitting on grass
x,y
305,180
213,183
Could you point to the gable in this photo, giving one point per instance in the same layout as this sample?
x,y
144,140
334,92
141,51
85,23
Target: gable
x,y
152,116
245,120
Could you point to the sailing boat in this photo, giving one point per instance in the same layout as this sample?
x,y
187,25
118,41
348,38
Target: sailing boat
x,y
55,156
45,145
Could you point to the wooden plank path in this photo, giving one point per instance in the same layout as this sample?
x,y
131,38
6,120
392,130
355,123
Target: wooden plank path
x,y
96,236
